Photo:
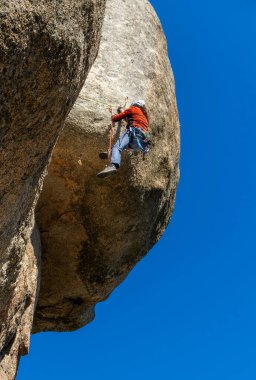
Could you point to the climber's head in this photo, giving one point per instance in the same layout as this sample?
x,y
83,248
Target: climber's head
x,y
142,105
139,103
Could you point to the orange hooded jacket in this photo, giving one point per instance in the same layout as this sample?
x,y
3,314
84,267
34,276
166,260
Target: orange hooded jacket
x,y
134,116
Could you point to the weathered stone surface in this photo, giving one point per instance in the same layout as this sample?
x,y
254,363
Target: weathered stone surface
x,y
46,50
16,328
94,231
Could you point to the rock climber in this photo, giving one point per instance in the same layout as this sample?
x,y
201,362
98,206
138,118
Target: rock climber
x,y
135,136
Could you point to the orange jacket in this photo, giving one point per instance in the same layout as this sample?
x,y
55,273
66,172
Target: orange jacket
x,y
134,117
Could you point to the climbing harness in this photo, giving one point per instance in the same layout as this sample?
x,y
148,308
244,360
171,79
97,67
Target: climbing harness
x,y
142,139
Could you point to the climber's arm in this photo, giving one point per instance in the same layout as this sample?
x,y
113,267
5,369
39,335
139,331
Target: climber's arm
x,y
121,115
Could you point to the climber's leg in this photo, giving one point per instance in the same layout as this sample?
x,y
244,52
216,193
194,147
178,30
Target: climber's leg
x,y
116,154
117,149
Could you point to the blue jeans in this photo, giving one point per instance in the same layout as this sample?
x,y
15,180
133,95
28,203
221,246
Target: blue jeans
x,y
121,144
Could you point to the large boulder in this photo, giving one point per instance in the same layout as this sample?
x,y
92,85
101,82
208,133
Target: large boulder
x,y
46,51
94,231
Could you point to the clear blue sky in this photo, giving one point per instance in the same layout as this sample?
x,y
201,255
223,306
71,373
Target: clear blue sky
x,y
188,310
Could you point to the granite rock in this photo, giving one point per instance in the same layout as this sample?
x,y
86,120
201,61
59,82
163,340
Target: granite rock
x,y
94,231
46,51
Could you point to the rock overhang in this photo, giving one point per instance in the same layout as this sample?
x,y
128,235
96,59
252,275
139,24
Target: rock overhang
x,y
93,231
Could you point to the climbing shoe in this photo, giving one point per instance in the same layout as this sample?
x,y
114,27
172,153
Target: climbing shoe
x,y
109,170
103,155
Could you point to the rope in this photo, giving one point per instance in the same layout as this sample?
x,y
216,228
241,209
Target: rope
x,y
111,134
106,104
100,102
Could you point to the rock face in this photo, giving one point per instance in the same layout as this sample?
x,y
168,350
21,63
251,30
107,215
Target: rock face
x,y
21,306
47,49
94,231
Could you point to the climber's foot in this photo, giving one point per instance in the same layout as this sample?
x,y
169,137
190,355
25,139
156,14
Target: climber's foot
x,y
103,155
109,170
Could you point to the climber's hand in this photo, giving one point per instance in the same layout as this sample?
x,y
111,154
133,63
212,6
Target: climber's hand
x,y
120,109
